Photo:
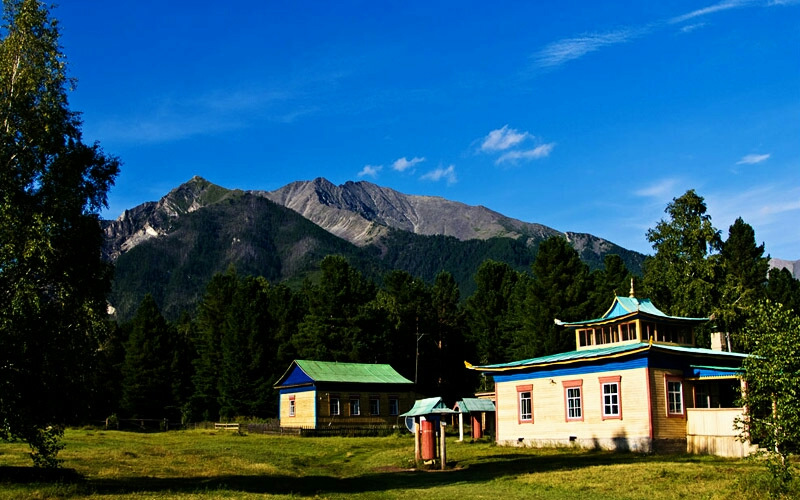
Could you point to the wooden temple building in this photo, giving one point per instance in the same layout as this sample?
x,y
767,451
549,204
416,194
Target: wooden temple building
x,y
636,381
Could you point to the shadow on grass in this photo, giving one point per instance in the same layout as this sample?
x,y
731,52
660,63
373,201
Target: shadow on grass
x,y
486,469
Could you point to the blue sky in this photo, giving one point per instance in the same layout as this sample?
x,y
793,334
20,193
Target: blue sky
x,y
584,116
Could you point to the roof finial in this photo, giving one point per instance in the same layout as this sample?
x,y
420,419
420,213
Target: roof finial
x,y
631,293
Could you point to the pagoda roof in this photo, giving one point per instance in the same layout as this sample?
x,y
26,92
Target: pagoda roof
x,y
629,307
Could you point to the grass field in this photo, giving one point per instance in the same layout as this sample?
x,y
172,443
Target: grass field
x,y
224,464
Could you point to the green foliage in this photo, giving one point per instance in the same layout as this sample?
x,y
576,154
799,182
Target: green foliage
x,y
559,289
681,277
488,311
52,281
784,289
147,390
772,395
744,276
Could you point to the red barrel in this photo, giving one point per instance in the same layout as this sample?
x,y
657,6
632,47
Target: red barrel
x,y
428,450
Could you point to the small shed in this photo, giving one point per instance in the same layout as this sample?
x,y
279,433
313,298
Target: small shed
x,y
477,408
427,413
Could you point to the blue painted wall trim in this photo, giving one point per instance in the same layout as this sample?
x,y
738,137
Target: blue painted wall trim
x,y
574,370
295,390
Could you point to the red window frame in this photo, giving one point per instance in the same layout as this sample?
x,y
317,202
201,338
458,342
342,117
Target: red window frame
x,y
617,379
674,379
572,384
522,389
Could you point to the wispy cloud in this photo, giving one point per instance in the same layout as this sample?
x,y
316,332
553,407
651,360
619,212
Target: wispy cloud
x,y
661,189
502,138
752,159
403,164
370,171
725,5
448,174
568,49
542,151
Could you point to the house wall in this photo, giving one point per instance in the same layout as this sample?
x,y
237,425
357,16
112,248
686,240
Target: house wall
x,y
305,409
669,431
345,418
550,425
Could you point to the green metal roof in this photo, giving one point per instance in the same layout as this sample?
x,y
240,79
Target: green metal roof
x,y
328,371
427,406
629,306
602,353
470,405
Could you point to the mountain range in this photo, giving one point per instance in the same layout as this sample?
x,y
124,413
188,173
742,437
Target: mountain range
x,y
172,247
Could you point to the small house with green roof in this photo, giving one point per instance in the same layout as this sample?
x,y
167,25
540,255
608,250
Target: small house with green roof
x,y
636,382
316,394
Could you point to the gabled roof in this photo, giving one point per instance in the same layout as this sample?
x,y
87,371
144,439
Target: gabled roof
x,y
623,307
328,371
470,405
429,406
603,353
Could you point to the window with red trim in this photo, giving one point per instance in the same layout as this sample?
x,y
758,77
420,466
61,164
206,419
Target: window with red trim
x,y
573,399
674,391
525,403
611,392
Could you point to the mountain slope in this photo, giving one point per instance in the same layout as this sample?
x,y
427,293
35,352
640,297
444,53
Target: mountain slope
x,y
171,248
363,213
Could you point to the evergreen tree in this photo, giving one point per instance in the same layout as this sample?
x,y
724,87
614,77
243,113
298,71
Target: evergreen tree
x,y
208,331
744,269
559,290
783,288
487,312
147,384
332,328
247,352
52,280
450,377
611,281
681,277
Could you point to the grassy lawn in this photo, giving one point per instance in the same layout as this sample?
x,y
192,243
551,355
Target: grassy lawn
x,y
224,464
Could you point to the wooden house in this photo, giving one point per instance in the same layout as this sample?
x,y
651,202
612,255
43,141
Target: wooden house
x,y
635,381
316,394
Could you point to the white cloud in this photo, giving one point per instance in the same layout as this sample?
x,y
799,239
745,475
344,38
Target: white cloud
x,y
752,159
567,49
662,189
562,51
370,170
691,27
448,174
403,164
502,139
724,5
542,151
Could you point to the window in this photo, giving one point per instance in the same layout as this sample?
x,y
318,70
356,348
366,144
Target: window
x,y
394,405
573,398
355,406
291,406
674,396
374,405
334,404
525,403
610,390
